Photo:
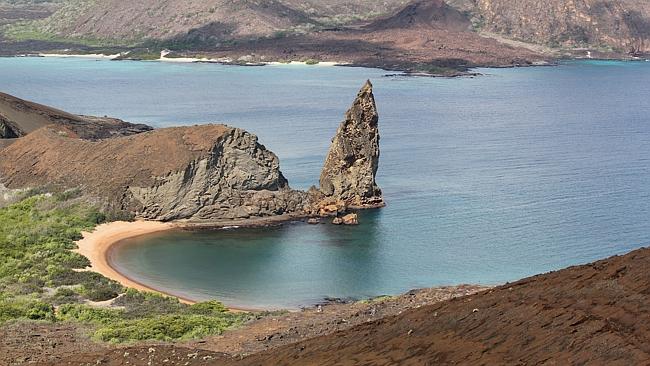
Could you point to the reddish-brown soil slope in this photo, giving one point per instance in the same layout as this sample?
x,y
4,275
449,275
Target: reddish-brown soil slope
x,y
51,155
597,314
428,13
225,19
424,36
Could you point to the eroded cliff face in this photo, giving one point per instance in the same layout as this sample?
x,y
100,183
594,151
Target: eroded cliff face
x,y
353,158
238,179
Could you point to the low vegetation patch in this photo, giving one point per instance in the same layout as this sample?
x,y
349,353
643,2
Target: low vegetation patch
x,y
41,278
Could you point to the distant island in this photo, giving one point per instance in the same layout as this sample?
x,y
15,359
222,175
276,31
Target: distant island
x,y
426,37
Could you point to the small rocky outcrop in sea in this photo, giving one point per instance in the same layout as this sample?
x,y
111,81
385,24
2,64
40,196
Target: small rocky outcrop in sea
x,y
353,158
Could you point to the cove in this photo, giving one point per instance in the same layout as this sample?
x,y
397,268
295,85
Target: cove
x,y
487,179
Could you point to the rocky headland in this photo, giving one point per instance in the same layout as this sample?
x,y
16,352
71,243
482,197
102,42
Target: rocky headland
x,y
204,174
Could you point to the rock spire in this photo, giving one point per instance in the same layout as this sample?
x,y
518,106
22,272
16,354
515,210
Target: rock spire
x,y
353,158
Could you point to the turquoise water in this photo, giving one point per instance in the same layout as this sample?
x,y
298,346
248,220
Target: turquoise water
x,y
487,179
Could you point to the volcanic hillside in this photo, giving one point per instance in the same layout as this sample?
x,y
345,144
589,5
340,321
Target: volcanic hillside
x,y
596,314
213,19
430,13
617,24
605,25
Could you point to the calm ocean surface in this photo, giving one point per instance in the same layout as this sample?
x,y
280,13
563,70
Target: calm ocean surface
x,y
487,179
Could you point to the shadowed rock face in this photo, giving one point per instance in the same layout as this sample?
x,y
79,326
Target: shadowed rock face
x,y
238,179
207,172
353,158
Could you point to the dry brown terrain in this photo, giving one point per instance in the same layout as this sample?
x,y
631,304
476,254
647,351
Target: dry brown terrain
x,y
595,314
424,36
420,36
65,344
616,24
208,21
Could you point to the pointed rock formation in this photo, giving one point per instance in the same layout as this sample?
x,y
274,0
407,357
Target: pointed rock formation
x,y
353,158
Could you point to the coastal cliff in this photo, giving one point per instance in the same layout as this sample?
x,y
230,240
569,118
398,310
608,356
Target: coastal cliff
x,y
197,173
208,173
237,179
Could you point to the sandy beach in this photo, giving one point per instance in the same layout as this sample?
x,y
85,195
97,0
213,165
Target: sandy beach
x,y
164,58
95,246
93,56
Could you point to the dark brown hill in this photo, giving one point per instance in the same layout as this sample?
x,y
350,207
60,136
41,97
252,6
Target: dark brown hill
x,y
596,314
425,13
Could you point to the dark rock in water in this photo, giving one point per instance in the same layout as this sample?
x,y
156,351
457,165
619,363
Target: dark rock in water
x,y
336,301
353,158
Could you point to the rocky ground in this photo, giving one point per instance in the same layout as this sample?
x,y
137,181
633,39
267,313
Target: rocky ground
x,y
67,344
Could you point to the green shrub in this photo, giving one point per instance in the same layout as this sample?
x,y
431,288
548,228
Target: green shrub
x,y
64,295
25,309
208,308
88,314
36,238
166,328
138,304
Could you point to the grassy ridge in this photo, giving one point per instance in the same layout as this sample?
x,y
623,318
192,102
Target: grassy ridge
x,y
42,279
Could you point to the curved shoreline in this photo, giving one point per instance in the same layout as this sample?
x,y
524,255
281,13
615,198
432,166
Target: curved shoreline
x,y
98,244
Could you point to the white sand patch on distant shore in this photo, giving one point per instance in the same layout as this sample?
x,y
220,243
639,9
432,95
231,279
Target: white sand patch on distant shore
x,y
95,56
